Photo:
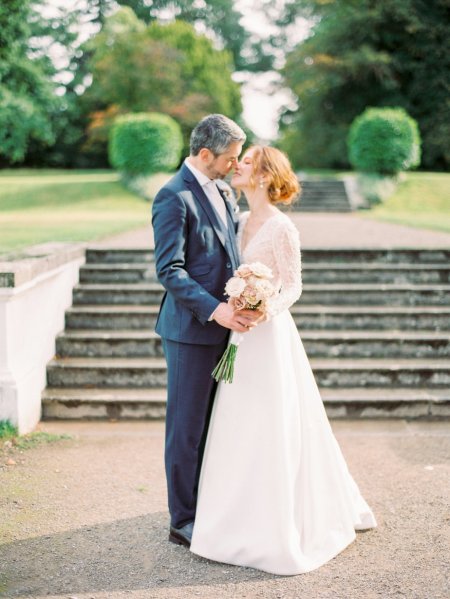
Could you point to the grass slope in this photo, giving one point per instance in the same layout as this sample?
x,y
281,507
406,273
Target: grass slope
x,y
421,200
51,205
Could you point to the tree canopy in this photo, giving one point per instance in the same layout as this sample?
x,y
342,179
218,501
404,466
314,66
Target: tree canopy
x,y
117,56
129,66
26,90
365,53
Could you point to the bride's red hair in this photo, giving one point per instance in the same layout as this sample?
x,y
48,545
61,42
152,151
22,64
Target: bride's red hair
x,y
283,185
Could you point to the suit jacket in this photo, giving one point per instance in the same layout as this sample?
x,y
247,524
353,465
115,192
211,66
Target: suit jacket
x,y
195,256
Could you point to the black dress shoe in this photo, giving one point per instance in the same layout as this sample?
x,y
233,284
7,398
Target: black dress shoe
x,y
183,535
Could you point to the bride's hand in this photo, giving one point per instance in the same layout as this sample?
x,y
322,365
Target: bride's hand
x,y
260,316
240,321
256,315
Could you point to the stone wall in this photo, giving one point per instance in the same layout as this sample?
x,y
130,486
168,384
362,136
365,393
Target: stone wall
x,y
35,290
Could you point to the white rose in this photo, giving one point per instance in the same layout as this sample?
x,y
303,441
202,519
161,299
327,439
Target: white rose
x,y
261,270
235,286
265,288
243,271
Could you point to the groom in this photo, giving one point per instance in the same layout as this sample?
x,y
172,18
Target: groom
x,y
195,251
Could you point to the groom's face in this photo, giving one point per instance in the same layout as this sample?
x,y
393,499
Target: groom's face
x,y
218,167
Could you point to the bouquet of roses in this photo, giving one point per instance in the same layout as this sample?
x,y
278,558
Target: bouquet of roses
x,y
248,289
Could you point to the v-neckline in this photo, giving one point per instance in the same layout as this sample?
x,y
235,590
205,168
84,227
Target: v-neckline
x,y
249,242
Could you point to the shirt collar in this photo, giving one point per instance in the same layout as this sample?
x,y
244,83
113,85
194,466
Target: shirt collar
x,y
201,177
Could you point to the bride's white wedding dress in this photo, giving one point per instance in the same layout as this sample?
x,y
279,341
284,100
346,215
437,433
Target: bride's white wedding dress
x,y
275,492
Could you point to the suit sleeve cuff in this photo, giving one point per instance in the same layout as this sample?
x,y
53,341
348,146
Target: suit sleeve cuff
x,y
212,315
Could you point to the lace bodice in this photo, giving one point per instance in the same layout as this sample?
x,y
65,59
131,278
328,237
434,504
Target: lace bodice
x,y
277,245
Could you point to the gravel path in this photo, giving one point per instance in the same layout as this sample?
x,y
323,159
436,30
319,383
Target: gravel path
x,y
323,230
87,517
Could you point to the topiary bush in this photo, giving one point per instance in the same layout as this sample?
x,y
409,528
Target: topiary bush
x,y
145,143
384,140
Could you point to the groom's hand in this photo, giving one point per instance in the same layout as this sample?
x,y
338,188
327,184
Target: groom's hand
x,y
240,321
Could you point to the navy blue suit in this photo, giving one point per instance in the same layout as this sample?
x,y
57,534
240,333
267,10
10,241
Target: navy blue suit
x,y
195,256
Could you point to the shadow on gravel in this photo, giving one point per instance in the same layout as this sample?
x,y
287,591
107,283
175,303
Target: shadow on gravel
x,y
131,554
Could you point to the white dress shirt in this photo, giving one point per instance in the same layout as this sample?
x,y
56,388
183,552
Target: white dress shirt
x,y
212,193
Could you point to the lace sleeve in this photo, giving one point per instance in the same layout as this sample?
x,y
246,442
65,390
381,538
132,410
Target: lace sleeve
x,y
286,249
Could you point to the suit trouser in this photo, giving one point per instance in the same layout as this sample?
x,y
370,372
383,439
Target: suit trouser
x,y
190,397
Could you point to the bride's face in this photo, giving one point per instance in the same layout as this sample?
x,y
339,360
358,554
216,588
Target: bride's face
x,y
243,172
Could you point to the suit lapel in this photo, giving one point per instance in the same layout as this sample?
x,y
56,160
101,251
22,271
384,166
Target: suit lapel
x,y
230,209
204,202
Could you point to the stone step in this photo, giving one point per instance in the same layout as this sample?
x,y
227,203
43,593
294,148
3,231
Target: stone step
x,y
311,204
398,273
69,403
386,403
112,317
309,186
432,318
377,255
338,294
105,344
118,273
96,255
327,344
325,195
324,200
329,195
408,318
138,294
321,255
322,209
107,372
315,273
307,182
327,203
334,372
101,404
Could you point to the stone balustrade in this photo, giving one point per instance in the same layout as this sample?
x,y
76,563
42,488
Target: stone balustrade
x,y
35,291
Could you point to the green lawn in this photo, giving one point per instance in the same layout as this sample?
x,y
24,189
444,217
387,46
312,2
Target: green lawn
x,y
61,205
56,205
421,200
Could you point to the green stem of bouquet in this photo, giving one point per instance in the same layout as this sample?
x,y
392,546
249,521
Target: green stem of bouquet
x,y
224,370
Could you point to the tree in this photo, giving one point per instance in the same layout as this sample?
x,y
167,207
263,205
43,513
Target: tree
x,y
26,91
365,53
218,17
130,74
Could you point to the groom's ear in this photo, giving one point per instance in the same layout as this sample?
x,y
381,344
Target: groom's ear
x,y
205,155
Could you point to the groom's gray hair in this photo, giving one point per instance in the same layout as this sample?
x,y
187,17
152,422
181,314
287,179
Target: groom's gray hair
x,y
215,132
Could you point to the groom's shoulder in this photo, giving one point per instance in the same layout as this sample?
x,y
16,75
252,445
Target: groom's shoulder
x,y
176,183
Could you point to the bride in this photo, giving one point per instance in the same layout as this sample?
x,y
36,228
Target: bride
x,y
274,493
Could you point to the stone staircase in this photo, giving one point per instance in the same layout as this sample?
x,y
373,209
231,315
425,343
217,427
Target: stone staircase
x,y
375,324
318,195
323,195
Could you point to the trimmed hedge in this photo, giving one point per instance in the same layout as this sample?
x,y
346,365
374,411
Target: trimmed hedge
x,y
145,143
384,140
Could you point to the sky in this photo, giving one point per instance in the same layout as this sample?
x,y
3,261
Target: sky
x,y
262,105
262,95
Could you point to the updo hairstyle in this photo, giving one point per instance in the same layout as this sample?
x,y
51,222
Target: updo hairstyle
x,y
274,165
